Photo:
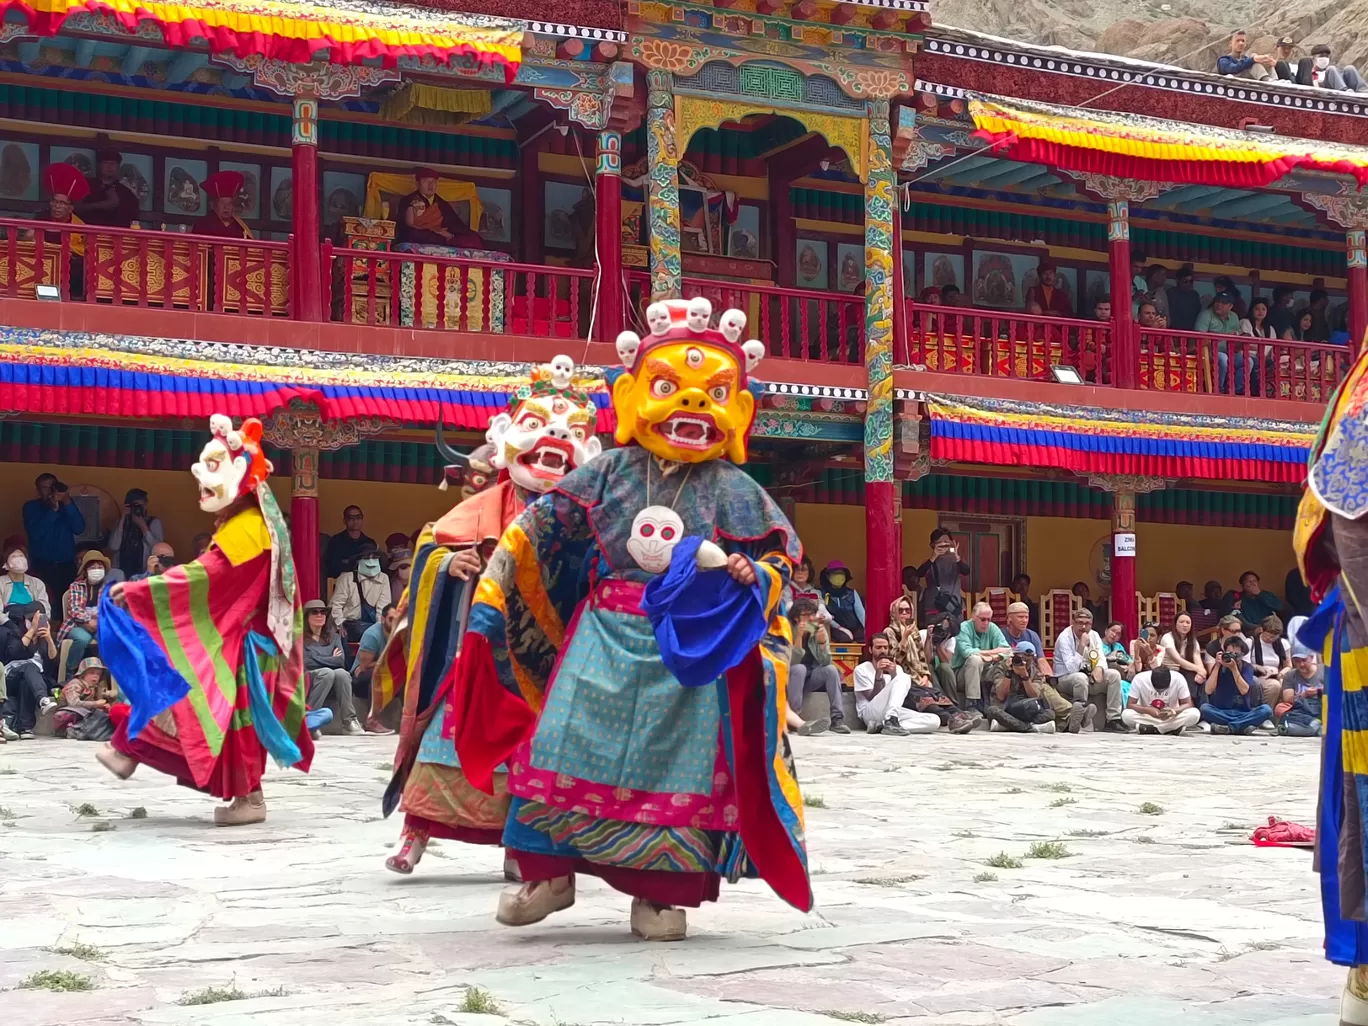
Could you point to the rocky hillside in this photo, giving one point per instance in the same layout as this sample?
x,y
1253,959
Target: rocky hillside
x,y
1188,33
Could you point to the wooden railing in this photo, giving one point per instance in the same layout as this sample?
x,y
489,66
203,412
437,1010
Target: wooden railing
x,y
793,323
1189,361
1002,343
145,268
450,293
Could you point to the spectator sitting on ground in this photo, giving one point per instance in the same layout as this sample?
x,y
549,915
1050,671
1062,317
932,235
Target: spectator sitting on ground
x,y
1317,70
360,594
1017,702
981,652
1019,630
1184,301
330,684
1298,711
1228,627
908,644
1081,671
345,547
942,593
1270,658
89,689
30,658
1160,703
1233,705
161,559
18,587
367,652
910,651
1255,66
1252,604
942,637
1047,294
881,686
1282,56
80,606
1145,651
843,602
1114,650
53,523
811,669
133,538
1021,588
1181,652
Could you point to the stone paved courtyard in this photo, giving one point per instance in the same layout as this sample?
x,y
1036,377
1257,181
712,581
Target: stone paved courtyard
x,y
1168,916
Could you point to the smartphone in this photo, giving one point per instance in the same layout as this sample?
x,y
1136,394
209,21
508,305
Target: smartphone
x,y
42,620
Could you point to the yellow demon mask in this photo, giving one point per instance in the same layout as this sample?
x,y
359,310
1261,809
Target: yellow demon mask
x,y
685,394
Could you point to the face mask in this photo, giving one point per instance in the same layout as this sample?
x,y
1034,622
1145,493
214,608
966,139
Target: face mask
x,y
18,563
1322,63
837,580
369,567
95,574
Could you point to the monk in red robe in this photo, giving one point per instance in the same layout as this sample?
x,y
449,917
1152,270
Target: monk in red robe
x,y
1052,299
66,187
110,203
222,222
427,219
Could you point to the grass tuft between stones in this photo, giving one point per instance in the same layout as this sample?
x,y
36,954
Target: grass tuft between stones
x,y
815,801
985,877
78,949
479,1002
138,813
1003,861
1048,850
836,1013
1151,809
232,992
62,980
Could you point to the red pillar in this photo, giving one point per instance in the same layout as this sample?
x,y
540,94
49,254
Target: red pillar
x,y
308,275
883,552
1358,288
1123,605
1125,353
304,521
608,186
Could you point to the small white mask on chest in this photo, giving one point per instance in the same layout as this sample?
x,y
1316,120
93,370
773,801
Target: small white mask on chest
x,y
655,532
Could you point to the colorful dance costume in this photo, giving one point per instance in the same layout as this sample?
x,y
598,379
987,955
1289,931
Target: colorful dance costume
x,y
210,654
626,657
546,432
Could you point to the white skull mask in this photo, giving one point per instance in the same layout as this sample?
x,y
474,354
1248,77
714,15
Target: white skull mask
x,y
562,371
219,474
542,440
655,532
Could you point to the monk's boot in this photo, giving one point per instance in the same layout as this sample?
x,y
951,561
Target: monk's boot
x,y
533,902
512,871
122,766
242,811
1354,1004
415,842
654,922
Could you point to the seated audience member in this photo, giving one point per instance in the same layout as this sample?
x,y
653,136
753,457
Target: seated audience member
x,y
1019,630
1182,591
941,573
1156,276
1244,65
1119,657
222,222
1298,711
1047,293
1256,324
133,536
1252,604
1228,627
161,559
345,546
1145,652
1221,319
1098,609
1234,703
1016,701
1147,316
18,587
950,295
424,218
1282,55
803,585
1182,654
200,543
942,637
1281,315
360,594
1298,596
911,651
1214,599
110,202
1160,703
1317,70
367,652
88,690
330,684
810,669
1081,670
400,566
981,652
881,686
30,659
843,602
1184,301
1021,587
80,606
1318,307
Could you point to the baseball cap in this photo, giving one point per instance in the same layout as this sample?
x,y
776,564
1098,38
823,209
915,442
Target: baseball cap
x,y
1024,646
1286,41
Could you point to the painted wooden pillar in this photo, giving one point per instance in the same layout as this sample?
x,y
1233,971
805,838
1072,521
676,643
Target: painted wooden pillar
x,y
1125,348
1358,287
900,348
304,521
662,200
1123,605
882,552
608,186
307,277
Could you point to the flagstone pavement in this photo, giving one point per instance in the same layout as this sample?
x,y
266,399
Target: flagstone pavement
x,y
1166,916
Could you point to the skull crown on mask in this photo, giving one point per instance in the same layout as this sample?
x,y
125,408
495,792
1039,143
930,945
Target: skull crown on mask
x,y
230,464
685,395
548,432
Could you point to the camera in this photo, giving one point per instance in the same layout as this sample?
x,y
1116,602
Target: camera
x,y
59,487
137,509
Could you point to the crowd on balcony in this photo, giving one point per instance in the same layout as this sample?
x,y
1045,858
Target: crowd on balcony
x,y
962,669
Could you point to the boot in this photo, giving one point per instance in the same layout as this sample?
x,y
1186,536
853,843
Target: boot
x,y
533,902
654,922
410,852
512,871
1354,1004
122,766
243,811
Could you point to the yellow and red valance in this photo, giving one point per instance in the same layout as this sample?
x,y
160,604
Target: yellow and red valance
x,y
351,31
1148,149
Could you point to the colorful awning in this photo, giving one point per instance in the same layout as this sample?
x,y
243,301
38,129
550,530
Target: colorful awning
x,y
1148,149
350,31
1089,440
73,373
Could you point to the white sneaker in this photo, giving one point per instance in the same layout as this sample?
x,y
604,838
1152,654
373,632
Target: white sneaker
x,y
995,725
7,733
1267,727
1044,728
1204,727
45,704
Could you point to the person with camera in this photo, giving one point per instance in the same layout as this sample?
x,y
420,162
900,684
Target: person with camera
x,y
53,523
80,605
1298,712
881,687
1160,703
1234,700
133,538
810,669
30,658
161,559
1016,701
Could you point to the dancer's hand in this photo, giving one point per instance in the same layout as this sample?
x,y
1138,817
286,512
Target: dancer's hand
x,y
116,594
740,568
463,564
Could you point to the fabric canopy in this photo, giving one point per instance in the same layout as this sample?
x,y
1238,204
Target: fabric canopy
x,y
1091,440
1148,149
417,103
385,188
351,31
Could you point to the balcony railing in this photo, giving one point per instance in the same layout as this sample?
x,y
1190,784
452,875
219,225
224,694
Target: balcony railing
x,y
798,325
1187,361
998,343
143,268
